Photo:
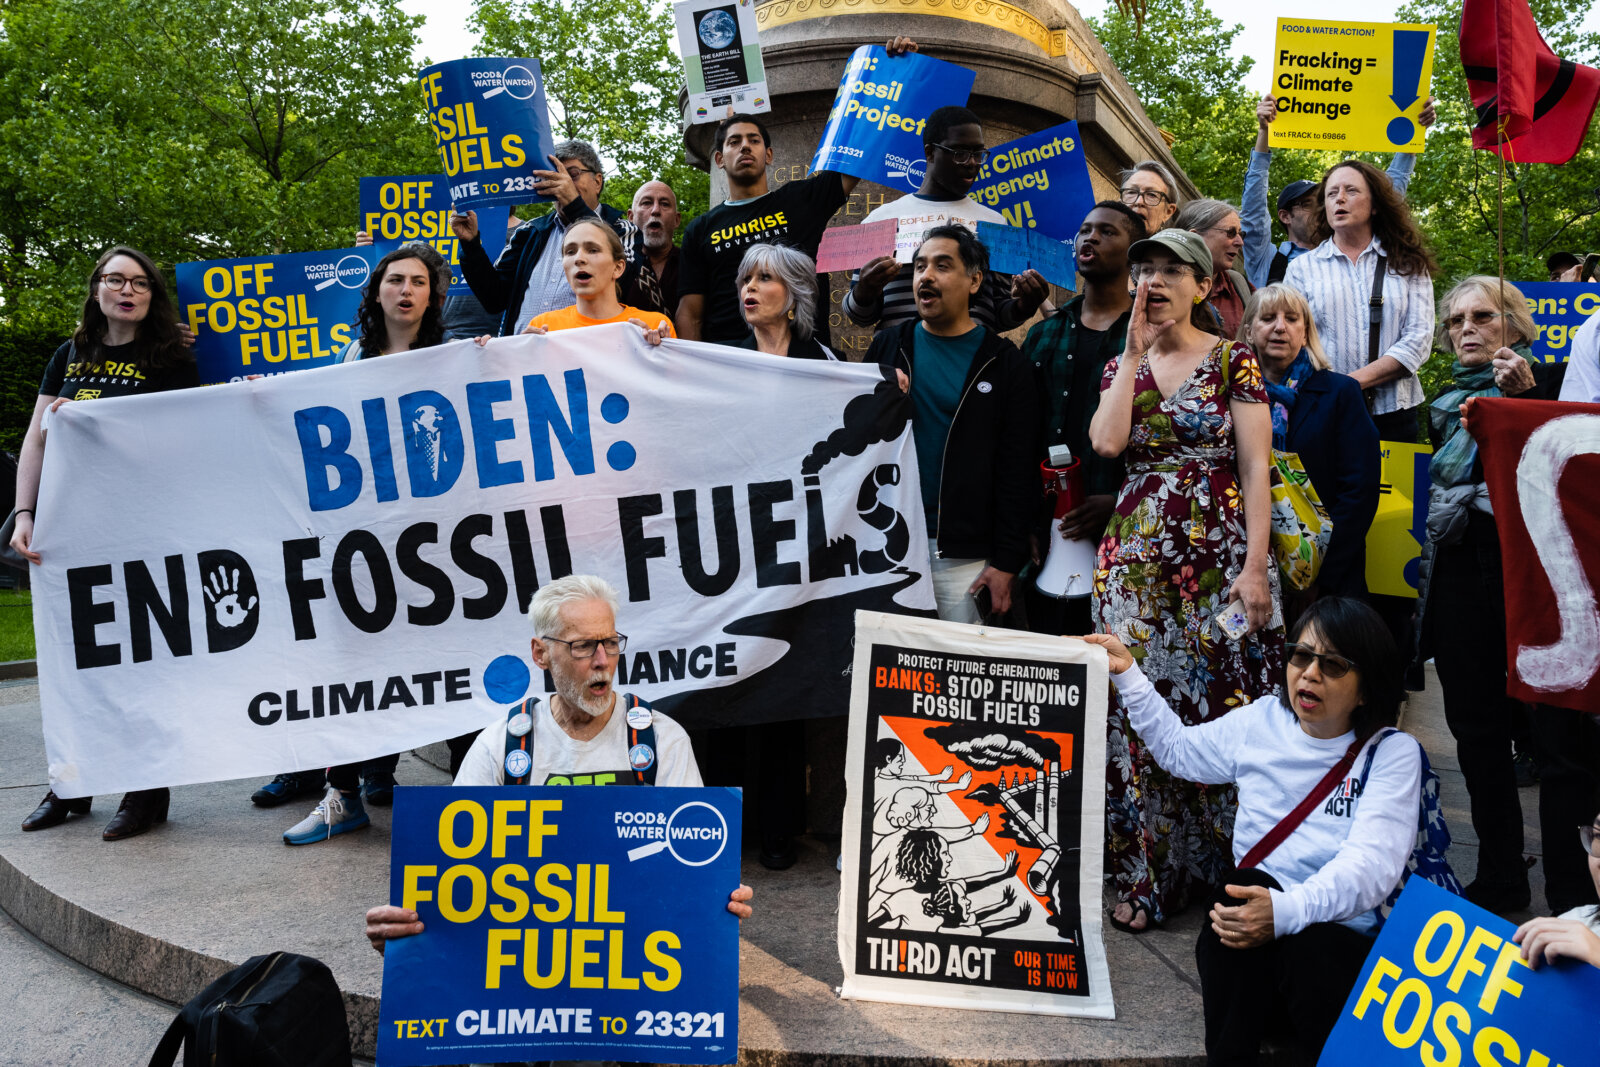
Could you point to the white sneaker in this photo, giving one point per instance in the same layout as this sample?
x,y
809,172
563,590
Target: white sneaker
x,y
336,814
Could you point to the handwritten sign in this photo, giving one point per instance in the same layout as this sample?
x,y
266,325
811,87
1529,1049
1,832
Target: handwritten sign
x,y
416,207
1013,250
1039,182
1350,86
875,128
849,247
490,121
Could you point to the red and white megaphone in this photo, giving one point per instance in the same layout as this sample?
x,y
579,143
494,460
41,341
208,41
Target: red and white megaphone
x,y
1068,569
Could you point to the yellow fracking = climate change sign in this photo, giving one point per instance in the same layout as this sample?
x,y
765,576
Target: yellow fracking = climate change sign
x,y
1350,86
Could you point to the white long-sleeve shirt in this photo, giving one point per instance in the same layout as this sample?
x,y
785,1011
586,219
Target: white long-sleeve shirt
x,y
1348,855
1339,293
1582,382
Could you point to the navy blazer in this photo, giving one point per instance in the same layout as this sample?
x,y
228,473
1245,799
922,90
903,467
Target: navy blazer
x,y
1338,444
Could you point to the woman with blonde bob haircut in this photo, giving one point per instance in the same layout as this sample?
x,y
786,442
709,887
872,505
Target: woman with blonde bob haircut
x,y
1320,415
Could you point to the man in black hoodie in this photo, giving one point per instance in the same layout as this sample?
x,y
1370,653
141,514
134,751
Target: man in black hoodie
x,y
975,422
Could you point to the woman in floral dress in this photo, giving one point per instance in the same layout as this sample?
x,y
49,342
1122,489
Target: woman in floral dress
x,y
1190,534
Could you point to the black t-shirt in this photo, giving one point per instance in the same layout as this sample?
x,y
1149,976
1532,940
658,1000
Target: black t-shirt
x,y
793,214
114,372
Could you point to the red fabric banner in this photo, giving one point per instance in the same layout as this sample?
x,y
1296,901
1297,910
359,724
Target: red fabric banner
x,y
1541,459
1545,102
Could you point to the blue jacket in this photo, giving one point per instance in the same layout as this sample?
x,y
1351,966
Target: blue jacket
x,y
1338,444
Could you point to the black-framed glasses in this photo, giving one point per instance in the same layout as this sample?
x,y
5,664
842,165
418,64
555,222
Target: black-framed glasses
x,y
1147,197
585,648
1480,319
1333,665
1587,835
980,156
140,283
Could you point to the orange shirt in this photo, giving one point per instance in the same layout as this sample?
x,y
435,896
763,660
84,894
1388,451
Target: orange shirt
x,y
567,318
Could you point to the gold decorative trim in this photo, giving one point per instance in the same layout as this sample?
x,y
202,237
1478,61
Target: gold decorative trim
x,y
996,13
1064,47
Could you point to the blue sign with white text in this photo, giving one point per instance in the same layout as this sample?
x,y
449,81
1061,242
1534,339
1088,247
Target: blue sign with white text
x,y
271,314
875,128
1558,309
1040,181
1444,983
416,207
563,923
492,127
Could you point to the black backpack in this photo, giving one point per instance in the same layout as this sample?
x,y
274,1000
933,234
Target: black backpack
x,y
278,1010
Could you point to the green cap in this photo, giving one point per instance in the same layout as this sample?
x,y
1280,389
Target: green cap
x,y
1187,245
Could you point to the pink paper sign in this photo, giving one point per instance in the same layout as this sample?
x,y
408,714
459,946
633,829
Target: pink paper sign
x,y
848,247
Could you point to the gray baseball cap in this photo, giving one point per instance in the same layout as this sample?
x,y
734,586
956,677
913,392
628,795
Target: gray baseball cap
x,y
1187,245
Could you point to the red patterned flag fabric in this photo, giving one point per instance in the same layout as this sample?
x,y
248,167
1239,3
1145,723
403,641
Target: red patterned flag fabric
x,y
1544,102
1541,459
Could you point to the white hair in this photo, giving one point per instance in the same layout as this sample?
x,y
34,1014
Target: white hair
x,y
544,612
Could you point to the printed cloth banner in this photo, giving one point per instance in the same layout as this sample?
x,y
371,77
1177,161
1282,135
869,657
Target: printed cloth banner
x,y
1350,86
1541,460
875,128
563,923
492,126
1398,530
416,207
272,314
1039,182
325,567
1444,983
1558,309
721,58
974,819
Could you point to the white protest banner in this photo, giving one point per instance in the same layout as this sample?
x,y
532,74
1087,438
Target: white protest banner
x,y
329,566
974,819
722,65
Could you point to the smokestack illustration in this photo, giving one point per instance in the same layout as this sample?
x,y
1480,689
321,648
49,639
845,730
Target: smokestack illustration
x,y
1039,798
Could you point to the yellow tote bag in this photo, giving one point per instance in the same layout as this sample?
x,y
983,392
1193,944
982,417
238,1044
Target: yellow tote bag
x,y
1301,527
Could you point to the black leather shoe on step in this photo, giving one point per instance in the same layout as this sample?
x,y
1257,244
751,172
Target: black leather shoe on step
x,y
140,810
53,811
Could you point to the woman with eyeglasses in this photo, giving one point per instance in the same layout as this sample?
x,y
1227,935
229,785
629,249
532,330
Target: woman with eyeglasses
x,y
1151,190
1218,225
127,344
1289,930
1574,935
1461,601
1185,573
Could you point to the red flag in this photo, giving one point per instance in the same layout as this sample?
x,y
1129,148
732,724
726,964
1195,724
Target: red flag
x,y
1545,102
1541,459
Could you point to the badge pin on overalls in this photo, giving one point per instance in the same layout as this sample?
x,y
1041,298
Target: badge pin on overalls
x,y
640,757
518,763
639,717
520,724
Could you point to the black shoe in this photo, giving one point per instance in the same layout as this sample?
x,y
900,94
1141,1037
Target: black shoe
x,y
778,854
140,810
1500,899
377,788
53,811
286,787
1527,770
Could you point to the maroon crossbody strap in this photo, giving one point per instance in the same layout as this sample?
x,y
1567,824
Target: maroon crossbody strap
x,y
1279,833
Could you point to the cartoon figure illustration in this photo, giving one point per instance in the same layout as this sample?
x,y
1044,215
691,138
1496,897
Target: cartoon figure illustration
x,y
951,902
908,809
924,861
889,758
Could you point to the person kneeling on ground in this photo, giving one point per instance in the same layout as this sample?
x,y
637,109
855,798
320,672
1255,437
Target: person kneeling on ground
x,y
1296,921
1574,934
578,735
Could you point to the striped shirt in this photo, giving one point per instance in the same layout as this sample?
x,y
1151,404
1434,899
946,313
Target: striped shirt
x,y
1339,291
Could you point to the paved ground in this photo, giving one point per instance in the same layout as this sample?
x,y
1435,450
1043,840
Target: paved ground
x,y
165,912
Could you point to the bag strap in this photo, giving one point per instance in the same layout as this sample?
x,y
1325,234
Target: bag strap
x,y
166,1053
645,736
1375,310
1366,768
1280,267
525,742
1291,822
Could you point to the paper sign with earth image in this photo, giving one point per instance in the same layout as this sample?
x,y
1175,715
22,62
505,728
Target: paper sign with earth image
x,y
975,789
721,58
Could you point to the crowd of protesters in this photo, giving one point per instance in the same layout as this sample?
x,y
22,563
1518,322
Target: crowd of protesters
x,y
1195,352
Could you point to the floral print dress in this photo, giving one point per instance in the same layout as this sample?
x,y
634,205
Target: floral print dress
x,y
1170,552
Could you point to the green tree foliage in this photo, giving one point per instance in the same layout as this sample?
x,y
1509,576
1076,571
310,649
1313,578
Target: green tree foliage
x,y
611,79
192,129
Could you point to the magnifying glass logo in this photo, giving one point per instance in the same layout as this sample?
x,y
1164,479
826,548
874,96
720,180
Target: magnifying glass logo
x,y
338,273
696,829
517,82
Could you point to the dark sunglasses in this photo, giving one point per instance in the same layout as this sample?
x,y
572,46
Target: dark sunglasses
x,y
1332,664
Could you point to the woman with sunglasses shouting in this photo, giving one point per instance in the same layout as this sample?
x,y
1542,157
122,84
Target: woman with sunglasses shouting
x,y
127,344
1328,806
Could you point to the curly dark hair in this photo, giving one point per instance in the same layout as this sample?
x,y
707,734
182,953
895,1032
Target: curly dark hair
x,y
917,860
374,335
1392,223
162,346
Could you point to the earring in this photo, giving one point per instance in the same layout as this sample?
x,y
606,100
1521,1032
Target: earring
x,y
791,314
1197,299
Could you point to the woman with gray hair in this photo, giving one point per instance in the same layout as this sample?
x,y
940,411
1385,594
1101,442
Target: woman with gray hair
x,y
1218,225
1151,190
776,286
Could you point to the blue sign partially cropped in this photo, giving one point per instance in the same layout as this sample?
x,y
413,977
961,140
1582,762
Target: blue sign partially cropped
x,y
1039,182
416,207
875,128
1444,983
563,923
492,127
1558,309
271,314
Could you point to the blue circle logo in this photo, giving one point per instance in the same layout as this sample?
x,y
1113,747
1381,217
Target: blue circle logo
x,y
518,763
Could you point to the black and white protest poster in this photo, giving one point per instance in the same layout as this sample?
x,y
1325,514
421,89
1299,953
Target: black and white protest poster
x,y
328,566
974,819
721,58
